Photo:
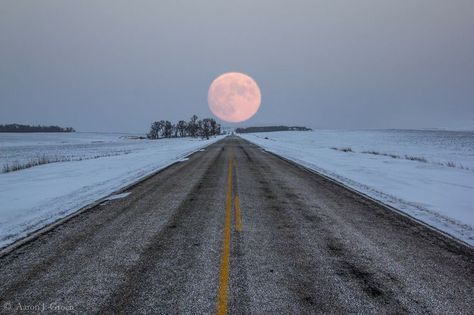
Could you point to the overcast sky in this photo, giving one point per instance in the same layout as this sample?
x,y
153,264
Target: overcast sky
x,y
118,65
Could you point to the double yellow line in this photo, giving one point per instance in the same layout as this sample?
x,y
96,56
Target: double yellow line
x,y
223,290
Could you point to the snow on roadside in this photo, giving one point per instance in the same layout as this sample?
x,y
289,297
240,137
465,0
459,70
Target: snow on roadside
x,y
34,197
436,194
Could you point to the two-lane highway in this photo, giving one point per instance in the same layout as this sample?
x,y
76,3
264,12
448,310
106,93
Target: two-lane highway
x,y
234,229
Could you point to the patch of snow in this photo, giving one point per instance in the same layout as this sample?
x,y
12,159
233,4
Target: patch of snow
x,y
34,197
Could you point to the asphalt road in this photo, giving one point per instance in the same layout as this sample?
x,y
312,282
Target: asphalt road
x,y
238,230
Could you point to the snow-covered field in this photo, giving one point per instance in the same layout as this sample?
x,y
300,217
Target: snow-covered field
x,y
22,148
97,165
426,174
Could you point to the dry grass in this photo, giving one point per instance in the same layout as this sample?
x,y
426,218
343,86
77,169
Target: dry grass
x,y
416,158
450,164
420,159
347,149
393,156
17,166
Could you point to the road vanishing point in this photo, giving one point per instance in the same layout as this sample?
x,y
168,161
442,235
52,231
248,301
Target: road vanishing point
x,y
237,230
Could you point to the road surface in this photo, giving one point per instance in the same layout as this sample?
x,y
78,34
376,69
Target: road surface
x,y
236,229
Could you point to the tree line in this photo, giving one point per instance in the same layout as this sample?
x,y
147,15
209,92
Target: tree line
x,y
28,128
271,128
195,127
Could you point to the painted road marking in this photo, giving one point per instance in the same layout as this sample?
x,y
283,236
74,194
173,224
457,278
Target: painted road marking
x,y
238,218
223,291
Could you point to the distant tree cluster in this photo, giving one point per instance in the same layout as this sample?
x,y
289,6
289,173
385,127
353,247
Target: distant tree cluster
x,y
195,127
271,128
28,128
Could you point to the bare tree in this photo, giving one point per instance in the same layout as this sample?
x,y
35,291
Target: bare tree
x,y
193,126
182,128
214,127
155,130
205,128
167,129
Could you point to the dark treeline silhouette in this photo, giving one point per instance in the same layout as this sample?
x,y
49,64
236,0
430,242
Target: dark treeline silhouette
x,y
195,127
271,128
28,128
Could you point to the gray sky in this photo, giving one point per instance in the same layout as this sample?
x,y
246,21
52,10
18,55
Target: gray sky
x,y
118,65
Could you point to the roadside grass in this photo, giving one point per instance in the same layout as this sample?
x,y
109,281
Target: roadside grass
x,y
41,160
450,164
347,149
16,166
420,159
393,156
416,158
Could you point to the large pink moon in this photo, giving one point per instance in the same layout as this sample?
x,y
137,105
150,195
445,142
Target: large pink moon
x,y
234,97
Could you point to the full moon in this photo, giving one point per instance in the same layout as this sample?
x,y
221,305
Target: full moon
x,y
234,97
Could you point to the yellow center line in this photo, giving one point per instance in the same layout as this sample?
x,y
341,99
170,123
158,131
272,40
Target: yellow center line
x,y
238,218
223,291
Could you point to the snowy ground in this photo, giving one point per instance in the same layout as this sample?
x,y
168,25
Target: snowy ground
x,y
438,188
34,197
22,148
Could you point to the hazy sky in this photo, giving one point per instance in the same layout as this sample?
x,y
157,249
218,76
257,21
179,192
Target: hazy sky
x,y
118,65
